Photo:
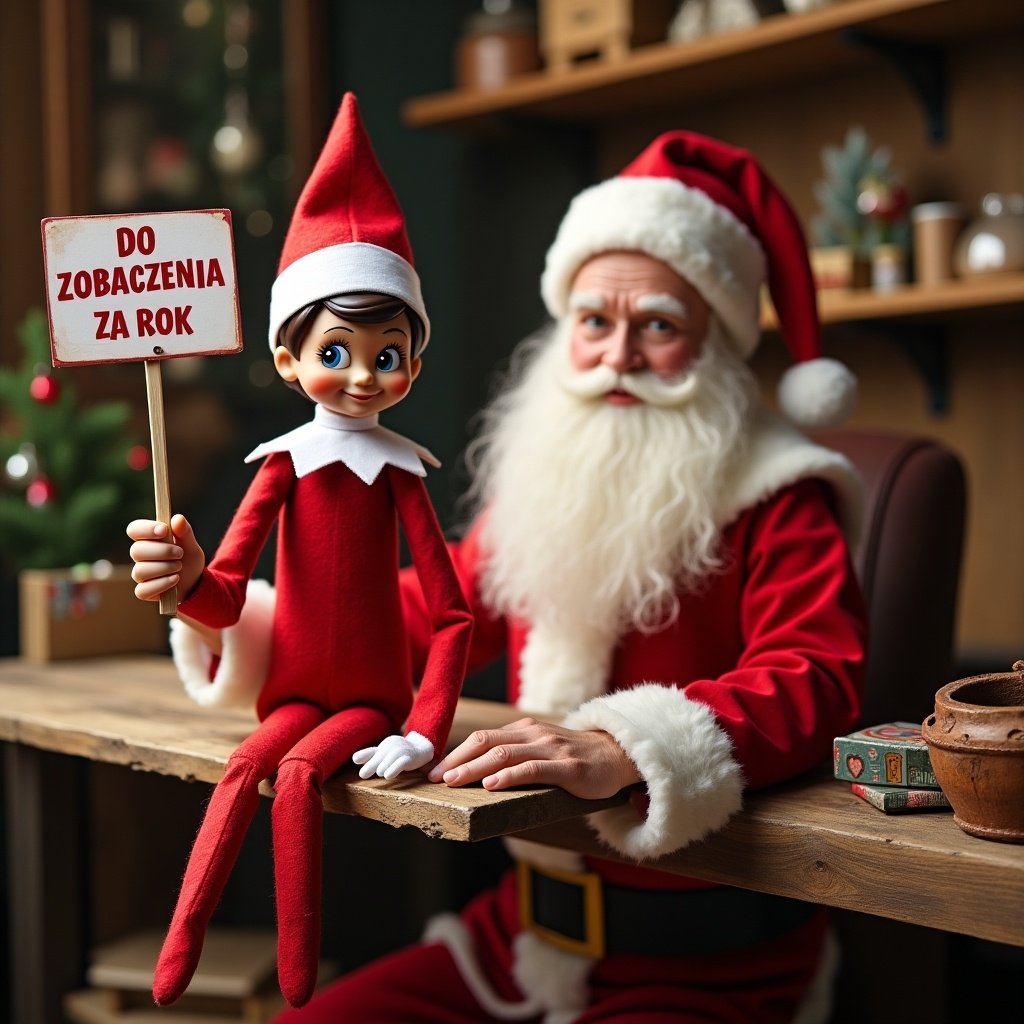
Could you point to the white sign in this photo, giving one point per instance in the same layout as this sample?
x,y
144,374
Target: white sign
x,y
141,286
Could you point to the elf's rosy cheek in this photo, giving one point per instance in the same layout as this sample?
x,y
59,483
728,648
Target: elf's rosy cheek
x,y
396,385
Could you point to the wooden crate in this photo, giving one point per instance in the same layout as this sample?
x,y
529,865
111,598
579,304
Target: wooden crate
x,y
235,982
67,615
574,29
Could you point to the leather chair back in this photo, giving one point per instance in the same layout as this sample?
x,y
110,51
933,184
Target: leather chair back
x,y
908,560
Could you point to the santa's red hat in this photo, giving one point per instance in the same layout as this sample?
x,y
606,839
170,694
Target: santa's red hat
x,y
711,213
347,232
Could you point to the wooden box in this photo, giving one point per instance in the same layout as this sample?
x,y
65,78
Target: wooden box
x,y
65,614
572,29
235,982
837,266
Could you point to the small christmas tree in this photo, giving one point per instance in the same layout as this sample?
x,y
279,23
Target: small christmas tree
x,y
72,475
863,204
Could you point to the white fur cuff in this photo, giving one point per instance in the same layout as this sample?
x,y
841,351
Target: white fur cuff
x,y
684,756
244,659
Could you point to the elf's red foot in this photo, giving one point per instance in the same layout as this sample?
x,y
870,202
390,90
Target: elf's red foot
x,y
297,982
174,969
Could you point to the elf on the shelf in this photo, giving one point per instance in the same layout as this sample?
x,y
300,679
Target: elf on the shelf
x,y
347,329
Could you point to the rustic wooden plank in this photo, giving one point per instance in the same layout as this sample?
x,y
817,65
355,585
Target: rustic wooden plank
x,y
810,839
133,712
813,839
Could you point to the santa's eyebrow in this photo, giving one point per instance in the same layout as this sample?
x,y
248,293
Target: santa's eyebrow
x,y
661,302
586,300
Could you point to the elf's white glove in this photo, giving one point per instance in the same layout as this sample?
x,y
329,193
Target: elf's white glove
x,y
394,755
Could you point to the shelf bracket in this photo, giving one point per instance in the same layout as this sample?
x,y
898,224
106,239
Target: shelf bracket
x,y
927,349
925,68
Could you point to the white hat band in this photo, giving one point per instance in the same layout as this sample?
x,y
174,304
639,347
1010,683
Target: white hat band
x,y
681,226
340,269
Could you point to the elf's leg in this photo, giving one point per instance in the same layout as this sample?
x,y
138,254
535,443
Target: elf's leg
x,y
228,816
297,820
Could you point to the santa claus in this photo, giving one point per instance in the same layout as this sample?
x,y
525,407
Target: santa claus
x,y
665,564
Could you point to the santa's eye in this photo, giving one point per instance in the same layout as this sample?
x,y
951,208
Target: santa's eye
x,y
595,321
335,357
389,359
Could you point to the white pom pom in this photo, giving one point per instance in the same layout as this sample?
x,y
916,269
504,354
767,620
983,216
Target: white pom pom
x,y
818,393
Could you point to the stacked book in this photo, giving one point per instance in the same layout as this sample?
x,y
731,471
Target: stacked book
x,y
888,765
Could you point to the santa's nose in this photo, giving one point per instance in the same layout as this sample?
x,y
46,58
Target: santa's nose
x,y
620,353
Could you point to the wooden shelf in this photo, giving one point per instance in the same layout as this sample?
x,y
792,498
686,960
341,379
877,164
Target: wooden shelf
x,y
912,301
786,46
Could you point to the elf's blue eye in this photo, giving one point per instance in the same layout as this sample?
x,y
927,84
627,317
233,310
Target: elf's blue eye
x,y
335,357
389,359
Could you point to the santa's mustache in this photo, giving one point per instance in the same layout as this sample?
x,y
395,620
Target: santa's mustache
x,y
642,384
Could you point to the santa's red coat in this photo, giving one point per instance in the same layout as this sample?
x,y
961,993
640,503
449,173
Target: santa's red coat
x,y
773,647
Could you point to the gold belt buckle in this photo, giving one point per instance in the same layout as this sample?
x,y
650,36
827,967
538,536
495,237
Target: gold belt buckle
x,y
592,943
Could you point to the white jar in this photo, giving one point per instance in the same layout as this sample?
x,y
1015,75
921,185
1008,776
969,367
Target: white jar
x,y
994,242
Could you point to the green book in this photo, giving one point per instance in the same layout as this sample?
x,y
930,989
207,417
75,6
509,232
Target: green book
x,y
893,754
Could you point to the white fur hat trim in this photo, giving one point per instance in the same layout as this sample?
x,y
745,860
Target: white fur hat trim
x,y
681,226
337,269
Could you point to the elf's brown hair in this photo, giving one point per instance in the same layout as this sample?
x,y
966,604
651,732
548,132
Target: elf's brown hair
x,y
356,307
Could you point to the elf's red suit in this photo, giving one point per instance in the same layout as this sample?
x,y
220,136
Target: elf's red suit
x,y
338,677
327,667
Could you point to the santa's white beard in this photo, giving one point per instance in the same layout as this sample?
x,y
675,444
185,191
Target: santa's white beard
x,y
599,514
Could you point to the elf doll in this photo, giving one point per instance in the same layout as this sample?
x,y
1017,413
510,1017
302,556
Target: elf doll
x,y
347,329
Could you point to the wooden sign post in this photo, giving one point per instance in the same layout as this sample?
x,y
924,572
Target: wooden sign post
x,y
142,287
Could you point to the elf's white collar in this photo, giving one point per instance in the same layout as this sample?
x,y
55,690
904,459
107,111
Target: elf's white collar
x,y
361,444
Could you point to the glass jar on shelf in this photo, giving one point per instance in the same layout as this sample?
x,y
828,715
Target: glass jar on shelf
x,y
993,243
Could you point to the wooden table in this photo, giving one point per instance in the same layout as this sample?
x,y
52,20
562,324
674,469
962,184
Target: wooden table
x,y
811,839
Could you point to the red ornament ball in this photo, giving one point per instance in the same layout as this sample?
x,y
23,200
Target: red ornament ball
x,y
40,492
138,457
44,389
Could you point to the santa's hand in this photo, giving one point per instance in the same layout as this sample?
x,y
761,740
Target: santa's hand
x,y
394,755
587,763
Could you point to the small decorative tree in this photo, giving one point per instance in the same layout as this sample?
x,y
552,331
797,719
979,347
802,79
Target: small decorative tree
x,y
72,475
863,203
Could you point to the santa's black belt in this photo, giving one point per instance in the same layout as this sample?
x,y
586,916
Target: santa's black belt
x,y
581,913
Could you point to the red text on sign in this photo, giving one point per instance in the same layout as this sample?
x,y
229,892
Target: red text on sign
x,y
111,324
140,277
143,240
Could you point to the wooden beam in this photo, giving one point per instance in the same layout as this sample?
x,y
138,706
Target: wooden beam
x,y
67,103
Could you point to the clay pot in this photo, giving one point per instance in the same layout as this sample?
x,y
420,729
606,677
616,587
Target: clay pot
x,y
976,744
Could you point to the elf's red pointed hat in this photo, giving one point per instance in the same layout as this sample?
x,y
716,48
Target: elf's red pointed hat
x,y
711,213
347,233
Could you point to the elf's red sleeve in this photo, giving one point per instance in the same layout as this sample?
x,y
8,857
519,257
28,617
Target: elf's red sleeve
x,y
450,621
217,599
490,631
